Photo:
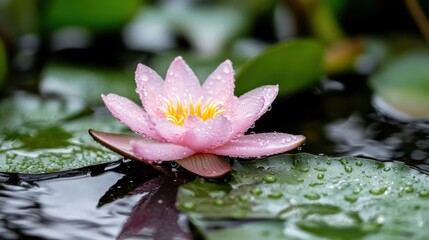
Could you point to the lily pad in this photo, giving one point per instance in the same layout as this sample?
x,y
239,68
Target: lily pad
x,y
67,80
38,136
404,84
293,64
317,197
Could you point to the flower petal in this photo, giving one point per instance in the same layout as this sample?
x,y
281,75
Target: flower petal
x,y
118,142
208,134
130,114
220,84
268,92
246,114
168,130
149,88
258,145
157,151
206,165
181,81
250,108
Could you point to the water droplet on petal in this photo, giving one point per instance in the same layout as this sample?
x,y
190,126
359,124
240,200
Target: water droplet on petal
x,y
144,77
225,69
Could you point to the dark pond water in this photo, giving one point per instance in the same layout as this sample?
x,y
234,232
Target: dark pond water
x,y
337,117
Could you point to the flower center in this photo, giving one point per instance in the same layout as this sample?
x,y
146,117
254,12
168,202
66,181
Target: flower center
x,y
176,110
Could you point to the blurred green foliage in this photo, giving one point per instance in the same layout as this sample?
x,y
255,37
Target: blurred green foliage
x,y
96,15
3,62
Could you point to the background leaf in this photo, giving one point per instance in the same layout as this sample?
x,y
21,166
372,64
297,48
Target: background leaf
x,y
294,64
317,197
404,83
3,62
68,80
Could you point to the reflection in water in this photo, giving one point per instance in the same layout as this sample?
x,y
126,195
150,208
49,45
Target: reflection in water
x,y
382,138
63,209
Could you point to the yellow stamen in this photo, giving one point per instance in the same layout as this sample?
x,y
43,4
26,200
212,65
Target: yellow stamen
x,y
176,110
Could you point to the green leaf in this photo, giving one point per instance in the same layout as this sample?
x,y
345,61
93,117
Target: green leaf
x,y
293,64
317,197
94,14
404,84
87,83
41,136
22,109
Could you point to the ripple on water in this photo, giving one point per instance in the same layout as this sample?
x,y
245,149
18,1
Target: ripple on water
x,y
63,209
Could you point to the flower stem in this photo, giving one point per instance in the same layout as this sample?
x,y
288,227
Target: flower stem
x,y
419,17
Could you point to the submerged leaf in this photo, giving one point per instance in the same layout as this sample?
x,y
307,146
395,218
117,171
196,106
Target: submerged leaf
x,y
317,197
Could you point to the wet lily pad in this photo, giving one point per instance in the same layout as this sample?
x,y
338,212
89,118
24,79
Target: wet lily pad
x,y
404,84
293,64
42,136
316,197
67,80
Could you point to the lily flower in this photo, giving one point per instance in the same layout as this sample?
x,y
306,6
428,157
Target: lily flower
x,y
193,124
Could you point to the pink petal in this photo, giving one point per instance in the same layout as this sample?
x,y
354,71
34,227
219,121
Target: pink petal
x,y
220,84
168,130
181,81
258,145
118,142
149,88
208,134
130,114
268,92
206,165
247,113
250,109
157,151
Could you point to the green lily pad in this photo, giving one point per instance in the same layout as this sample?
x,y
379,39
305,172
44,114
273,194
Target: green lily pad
x,y
41,136
293,64
317,197
66,80
404,84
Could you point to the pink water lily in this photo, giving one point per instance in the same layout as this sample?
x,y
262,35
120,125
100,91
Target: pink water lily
x,y
193,124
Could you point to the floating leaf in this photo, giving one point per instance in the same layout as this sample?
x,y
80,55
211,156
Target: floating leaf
x,y
38,136
404,84
293,64
317,197
66,80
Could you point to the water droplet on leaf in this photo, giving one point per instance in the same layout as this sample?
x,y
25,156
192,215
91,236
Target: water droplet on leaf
x,y
312,196
269,178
